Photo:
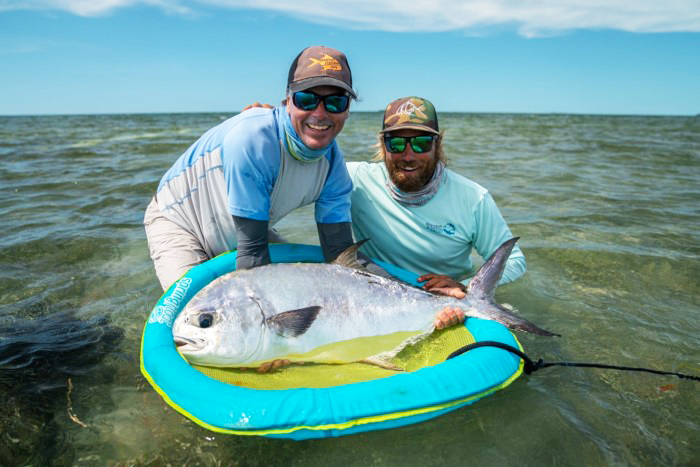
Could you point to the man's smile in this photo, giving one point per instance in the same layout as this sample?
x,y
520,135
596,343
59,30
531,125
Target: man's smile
x,y
317,127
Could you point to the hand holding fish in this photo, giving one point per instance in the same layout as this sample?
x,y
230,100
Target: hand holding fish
x,y
442,284
449,316
273,365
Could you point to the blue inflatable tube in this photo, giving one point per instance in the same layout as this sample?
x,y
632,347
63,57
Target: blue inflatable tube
x,y
315,413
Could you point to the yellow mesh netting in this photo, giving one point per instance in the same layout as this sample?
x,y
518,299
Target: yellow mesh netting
x,y
431,351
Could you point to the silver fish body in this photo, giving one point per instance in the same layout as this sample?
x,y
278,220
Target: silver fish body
x,y
327,313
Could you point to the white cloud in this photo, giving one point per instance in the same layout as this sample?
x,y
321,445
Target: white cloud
x,y
90,7
529,18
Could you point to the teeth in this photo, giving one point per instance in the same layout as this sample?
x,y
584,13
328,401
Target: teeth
x,y
318,127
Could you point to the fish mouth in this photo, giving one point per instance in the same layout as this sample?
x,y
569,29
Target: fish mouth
x,y
188,344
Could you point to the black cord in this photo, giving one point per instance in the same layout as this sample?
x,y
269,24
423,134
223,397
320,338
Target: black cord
x,y
531,366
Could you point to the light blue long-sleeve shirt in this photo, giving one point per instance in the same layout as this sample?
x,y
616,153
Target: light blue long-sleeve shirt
x,y
437,237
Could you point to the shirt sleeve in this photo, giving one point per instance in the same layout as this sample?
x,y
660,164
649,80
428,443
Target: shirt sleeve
x,y
333,204
252,243
251,158
491,232
334,238
352,169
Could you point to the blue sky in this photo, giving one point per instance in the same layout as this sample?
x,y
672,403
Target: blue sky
x,y
135,56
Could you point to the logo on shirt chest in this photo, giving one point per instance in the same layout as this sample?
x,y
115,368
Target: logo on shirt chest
x,y
442,229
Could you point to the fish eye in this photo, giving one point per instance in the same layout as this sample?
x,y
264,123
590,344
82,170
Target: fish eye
x,y
205,320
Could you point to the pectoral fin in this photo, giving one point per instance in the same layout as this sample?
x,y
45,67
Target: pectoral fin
x,y
293,323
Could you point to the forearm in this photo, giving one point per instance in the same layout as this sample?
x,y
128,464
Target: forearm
x,y
334,239
252,243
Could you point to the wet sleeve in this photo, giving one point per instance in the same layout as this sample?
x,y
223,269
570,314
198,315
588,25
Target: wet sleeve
x,y
334,238
491,231
252,243
333,204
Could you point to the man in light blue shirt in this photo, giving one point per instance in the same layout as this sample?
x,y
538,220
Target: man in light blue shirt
x,y
242,176
421,216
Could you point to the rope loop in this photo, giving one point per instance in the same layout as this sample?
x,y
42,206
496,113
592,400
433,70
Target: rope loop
x,y
530,366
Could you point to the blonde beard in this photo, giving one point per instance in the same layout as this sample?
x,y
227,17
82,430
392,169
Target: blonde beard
x,y
409,184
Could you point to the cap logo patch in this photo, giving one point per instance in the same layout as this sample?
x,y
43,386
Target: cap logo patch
x,y
407,112
327,63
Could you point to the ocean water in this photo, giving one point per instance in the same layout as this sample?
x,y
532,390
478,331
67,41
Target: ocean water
x,y
608,211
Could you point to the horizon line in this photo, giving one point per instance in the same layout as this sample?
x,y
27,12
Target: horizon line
x,y
475,112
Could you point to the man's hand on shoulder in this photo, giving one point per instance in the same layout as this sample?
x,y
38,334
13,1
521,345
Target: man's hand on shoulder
x,y
442,284
256,105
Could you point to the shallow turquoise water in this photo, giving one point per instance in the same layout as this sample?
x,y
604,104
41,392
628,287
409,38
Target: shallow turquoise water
x,y
608,211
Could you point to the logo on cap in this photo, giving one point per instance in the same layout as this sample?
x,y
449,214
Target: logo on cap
x,y
326,62
408,112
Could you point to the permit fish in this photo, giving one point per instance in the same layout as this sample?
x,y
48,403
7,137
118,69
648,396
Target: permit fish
x,y
324,313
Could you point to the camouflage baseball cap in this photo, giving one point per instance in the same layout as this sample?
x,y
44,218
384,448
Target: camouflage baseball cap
x,y
320,66
413,113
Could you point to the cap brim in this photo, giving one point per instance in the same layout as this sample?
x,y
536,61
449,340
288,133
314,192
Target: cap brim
x,y
305,84
409,127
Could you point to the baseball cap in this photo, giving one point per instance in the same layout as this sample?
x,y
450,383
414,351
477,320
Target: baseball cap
x,y
411,112
320,66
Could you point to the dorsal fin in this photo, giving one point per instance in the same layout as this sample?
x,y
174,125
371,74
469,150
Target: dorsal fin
x,y
483,284
348,257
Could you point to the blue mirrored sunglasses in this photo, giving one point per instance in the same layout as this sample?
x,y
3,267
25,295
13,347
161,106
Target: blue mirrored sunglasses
x,y
334,103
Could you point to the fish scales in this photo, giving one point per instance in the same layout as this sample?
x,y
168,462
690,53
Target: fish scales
x,y
354,304
326,313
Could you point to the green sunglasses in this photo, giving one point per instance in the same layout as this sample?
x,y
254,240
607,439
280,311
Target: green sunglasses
x,y
419,144
307,100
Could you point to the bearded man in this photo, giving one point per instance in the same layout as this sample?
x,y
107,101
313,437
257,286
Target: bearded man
x,y
420,215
